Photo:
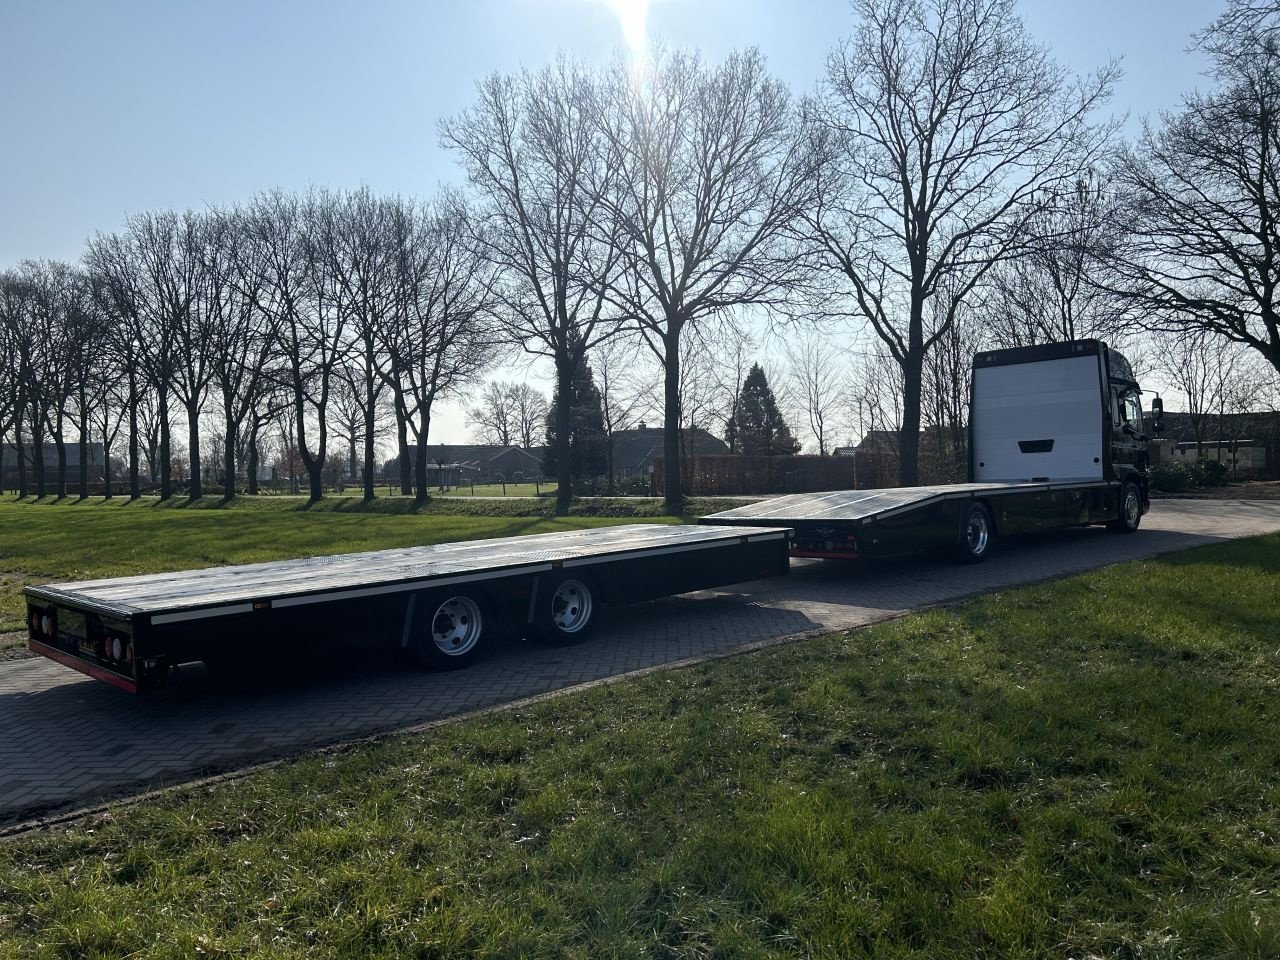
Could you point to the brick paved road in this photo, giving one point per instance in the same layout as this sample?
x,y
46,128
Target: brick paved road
x,y
68,742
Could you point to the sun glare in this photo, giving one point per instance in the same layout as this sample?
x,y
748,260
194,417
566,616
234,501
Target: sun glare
x,y
632,15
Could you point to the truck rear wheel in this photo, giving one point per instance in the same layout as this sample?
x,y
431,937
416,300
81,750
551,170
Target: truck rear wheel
x,y
974,538
448,637
565,611
1129,510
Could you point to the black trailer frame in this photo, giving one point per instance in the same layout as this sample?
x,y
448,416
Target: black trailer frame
x,y
129,631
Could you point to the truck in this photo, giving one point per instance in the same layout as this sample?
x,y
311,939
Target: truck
x,y
1055,439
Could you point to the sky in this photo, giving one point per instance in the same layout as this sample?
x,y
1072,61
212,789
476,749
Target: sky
x,y
109,109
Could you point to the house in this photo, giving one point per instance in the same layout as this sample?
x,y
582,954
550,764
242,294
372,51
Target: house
x,y
634,450
1248,443
452,464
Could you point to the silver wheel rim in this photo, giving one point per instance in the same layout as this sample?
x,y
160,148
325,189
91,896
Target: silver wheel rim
x,y
1132,509
571,606
976,533
455,628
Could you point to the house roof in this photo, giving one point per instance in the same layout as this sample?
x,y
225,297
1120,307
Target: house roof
x,y
480,456
637,448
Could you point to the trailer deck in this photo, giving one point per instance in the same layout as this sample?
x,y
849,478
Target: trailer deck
x,y
128,630
866,506
222,591
848,524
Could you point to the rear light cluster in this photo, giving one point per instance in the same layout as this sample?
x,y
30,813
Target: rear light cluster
x,y
84,635
44,624
829,546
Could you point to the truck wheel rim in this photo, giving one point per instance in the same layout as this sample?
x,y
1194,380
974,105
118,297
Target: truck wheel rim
x,y
455,628
571,606
976,533
1132,511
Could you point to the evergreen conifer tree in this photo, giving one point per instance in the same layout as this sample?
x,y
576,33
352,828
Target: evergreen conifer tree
x,y
587,438
756,427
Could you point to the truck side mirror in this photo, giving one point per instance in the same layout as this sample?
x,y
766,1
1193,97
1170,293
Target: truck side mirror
x,y
1157,415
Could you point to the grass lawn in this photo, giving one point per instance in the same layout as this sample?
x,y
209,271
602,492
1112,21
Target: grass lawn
x,y
1083,769
77,540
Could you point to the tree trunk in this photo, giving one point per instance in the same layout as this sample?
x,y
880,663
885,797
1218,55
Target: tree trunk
x,y
37,457
135,485
673,495
564,426
196,490
909,435
420,454
61,446
106,464
229,453
251,467
166,468
84,445
610,487
22,460
402,440
370,414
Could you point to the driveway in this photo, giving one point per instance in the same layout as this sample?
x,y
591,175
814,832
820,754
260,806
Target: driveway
x,y
67,742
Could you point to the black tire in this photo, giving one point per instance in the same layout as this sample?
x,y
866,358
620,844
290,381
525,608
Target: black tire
x,y
447,630
564,610
1128,510
973,539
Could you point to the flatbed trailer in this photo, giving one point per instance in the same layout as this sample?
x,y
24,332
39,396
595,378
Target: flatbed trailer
x,y
1055,440
436,602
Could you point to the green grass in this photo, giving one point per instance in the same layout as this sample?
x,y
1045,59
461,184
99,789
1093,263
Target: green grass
x,y
1083,769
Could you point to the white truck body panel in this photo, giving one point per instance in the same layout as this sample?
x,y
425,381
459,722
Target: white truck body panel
x,y
1039,421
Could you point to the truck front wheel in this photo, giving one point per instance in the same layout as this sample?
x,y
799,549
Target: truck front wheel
x,y
448,636
564,611
1129,510
975,535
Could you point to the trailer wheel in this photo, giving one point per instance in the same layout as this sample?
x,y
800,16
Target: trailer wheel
x,y
448,637
973,540
1129,511
564,611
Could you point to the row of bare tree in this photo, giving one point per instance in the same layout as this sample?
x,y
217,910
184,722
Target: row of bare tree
x,y
270,309
948,186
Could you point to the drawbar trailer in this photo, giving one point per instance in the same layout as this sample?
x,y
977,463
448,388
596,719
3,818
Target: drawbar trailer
x,y
437,602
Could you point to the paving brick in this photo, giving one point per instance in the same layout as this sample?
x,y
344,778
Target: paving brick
x,y
66,741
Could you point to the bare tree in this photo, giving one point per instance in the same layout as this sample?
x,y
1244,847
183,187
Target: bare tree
x,y
494,418
531,409
15,363
816,369
306,305
1203,196
242,339
532,148
442,331
622,396
509,413
943,122
712,176
357,252
1049,292
1200,366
